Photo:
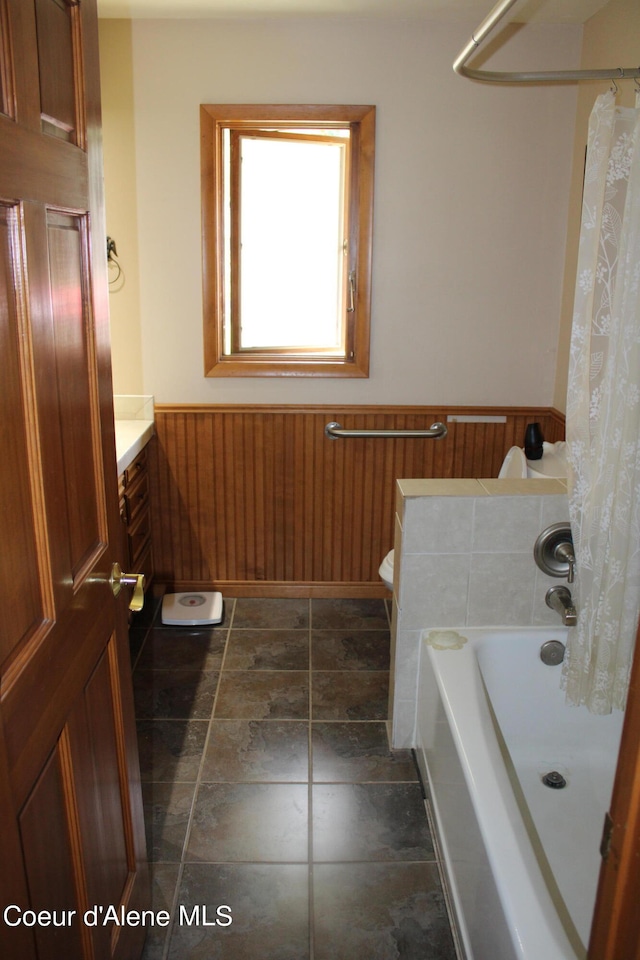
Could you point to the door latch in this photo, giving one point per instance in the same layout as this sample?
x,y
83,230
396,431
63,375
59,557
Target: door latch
x,y
135,580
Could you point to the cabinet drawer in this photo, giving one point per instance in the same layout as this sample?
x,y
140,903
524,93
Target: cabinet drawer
x,y
138,535
135,498
135,469
133,491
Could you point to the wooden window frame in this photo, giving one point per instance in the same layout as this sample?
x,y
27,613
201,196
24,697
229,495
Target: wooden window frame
x,y
235,238
214,119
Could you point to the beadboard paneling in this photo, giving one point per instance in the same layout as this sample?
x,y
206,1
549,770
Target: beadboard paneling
x,y
257,501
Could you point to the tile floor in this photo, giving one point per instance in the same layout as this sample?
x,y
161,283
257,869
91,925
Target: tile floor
x,y
269,788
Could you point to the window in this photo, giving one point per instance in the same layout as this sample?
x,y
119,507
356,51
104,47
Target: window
x,y
287,207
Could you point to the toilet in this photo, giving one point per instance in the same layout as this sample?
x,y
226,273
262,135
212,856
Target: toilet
x,y
515,466
386,570
553,463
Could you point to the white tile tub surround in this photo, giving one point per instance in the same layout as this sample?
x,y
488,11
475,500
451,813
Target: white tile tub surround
x,y
464,557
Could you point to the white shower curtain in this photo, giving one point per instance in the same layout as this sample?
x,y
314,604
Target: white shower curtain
x,y
603,414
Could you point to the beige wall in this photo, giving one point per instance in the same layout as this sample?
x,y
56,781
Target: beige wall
x,y
472,187
611,39
116,74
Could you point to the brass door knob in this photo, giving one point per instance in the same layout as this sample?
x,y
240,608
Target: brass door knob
x,y
135,580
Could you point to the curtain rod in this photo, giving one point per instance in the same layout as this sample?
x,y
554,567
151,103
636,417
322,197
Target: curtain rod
x,y
492,76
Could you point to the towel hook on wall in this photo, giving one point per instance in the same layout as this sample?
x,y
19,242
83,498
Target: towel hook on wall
x,y
112,259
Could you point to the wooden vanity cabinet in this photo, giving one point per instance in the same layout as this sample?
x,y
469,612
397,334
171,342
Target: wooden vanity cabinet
x,y
133,485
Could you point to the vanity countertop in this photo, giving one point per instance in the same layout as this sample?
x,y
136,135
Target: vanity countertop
x,y
131,437
134,419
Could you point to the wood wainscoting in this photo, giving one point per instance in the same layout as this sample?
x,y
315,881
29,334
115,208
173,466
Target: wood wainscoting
x,y
256,501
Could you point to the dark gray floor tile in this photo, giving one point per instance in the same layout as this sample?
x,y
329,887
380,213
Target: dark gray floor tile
x,y
183,648
380,911
174,694
164,877
357,752
267,650
269,909
261,822
383,901
255,695
150,611
171,749
136,640
350,649
274,614
167,809
370,821
257,750
349,695
339,614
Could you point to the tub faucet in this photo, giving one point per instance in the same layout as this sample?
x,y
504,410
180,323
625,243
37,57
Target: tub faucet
x,y
559,599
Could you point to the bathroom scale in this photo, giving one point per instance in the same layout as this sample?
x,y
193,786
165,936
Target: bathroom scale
x,y
191,609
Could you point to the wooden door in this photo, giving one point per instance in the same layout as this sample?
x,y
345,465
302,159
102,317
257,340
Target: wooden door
x,y
71,829
615,934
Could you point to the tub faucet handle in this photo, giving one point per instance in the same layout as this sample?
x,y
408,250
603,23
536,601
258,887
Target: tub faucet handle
x,y
564,553
553,551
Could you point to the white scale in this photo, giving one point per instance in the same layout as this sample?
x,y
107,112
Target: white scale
x,y
191,609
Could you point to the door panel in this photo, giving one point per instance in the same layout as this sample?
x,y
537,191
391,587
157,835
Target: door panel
x,y
45,378
96,757
19,943
71,827
7,87
20,606
58,53
74,361
46,841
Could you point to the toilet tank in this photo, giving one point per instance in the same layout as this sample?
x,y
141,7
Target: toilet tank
x,y
553,462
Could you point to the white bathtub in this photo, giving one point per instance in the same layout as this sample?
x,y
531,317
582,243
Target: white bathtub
x,y
521,859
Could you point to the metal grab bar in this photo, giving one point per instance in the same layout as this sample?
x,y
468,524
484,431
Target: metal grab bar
x,y
492,76
334,431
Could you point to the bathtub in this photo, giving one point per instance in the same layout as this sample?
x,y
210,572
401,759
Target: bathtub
x,y
521,859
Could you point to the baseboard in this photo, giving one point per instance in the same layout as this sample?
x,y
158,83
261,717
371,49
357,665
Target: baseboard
x,y
244,588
